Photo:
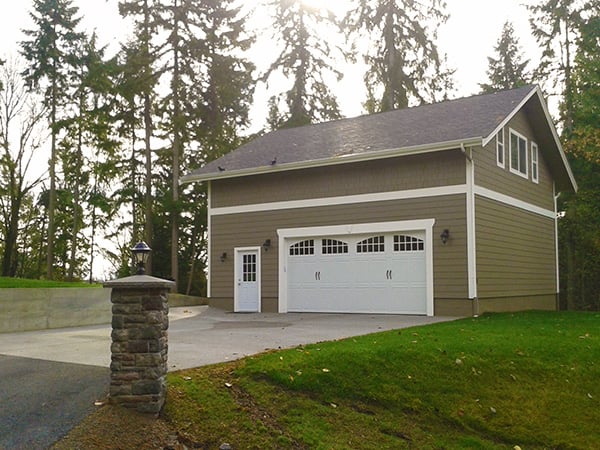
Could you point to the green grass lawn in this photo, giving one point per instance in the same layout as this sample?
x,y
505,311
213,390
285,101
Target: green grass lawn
x,y
498,381
6,282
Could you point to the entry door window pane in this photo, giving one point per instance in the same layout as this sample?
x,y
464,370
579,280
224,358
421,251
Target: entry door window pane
x,y
249,267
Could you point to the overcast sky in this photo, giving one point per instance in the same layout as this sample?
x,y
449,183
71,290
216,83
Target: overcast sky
x,y
468,38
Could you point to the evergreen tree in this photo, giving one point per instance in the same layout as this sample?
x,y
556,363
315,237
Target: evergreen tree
x,y
50,52
580,226
140,66
508,69
556,26
306,58
404,64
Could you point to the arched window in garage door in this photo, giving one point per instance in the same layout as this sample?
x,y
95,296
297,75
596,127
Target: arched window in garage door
x,y
373,244
404,243
302,248
333,247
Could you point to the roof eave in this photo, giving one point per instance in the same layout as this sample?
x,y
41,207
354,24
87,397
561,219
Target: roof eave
x,y
342,159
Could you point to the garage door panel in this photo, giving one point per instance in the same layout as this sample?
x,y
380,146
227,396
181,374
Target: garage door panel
x,y
361,273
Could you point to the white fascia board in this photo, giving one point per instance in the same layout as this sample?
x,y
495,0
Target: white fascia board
x,y
342,159
509,117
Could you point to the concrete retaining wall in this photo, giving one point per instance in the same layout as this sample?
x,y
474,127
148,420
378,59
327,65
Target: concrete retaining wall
x,y
41,309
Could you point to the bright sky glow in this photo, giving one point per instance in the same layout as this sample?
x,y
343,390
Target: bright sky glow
x,y
467,38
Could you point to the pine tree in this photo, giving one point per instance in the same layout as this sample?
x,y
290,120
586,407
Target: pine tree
x,y
556,26
580,226
140,65
507,70
404,64
50,52
306,58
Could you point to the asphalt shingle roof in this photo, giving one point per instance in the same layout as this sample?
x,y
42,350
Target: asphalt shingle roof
x,y
461,119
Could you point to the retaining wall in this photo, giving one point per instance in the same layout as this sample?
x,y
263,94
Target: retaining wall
x,y
26,309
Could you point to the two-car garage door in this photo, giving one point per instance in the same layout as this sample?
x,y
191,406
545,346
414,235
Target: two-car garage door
x,y
365,273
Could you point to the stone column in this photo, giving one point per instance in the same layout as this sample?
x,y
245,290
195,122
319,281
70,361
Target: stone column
x,y
139,342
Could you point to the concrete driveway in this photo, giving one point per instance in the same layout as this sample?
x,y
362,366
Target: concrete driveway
x,y
202,335
50,379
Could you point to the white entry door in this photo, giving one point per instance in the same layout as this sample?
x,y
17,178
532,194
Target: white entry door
x,y
247,280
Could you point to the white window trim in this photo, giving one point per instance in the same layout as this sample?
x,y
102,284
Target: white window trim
x,y
498,145
535,174
516,171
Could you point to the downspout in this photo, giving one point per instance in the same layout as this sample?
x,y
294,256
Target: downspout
x,y
471,241
209,261
556,196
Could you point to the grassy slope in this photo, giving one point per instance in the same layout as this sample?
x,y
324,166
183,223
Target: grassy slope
x,y
6,282
527,379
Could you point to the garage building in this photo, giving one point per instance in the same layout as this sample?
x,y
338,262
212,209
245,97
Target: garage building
x,y
443,209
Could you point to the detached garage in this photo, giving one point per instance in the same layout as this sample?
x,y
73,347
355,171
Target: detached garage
x,y
445,209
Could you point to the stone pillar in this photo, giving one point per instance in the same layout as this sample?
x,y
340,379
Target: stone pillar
x,y
139,342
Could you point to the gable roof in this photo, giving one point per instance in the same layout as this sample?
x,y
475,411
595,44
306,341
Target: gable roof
x,y
442,126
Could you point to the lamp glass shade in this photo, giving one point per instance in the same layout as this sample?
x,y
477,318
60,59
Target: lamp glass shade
x,y
140,252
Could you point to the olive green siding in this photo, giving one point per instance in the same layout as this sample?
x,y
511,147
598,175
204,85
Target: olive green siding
x,y
516,254
393,174
252,229
491,176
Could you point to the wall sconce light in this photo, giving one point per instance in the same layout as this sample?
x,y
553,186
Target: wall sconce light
x,y
267,244
141,252
223,256
445,236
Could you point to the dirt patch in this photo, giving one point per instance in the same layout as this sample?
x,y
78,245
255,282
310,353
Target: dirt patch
x,y
114,427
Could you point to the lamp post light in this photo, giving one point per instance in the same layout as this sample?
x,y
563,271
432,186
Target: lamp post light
x,y
141,252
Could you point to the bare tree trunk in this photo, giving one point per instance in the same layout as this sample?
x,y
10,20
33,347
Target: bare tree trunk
x,y
52,193
176,149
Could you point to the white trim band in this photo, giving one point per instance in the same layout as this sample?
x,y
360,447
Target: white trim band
x,y
341,200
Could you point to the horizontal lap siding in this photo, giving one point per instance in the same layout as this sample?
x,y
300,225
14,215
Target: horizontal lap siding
x,y
393,174
489,175
515,251
252,229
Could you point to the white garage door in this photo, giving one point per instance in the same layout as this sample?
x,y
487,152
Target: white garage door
x,y
379,273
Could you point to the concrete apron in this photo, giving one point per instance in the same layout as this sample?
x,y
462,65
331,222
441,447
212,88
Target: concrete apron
x,y
201,335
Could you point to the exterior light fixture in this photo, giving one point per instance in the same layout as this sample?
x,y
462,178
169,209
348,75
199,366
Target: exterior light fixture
x,y
445,236
223,256
141,252
267,244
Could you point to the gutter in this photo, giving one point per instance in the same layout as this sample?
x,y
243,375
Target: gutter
x,y
342,159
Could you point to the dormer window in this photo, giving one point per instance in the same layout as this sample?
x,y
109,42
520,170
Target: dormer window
x,y
518,153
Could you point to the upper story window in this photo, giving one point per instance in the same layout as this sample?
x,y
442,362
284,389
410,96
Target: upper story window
x,y
535,171
518,153
500,148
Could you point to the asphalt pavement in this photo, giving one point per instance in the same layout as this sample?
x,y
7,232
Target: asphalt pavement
x,y
50,380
